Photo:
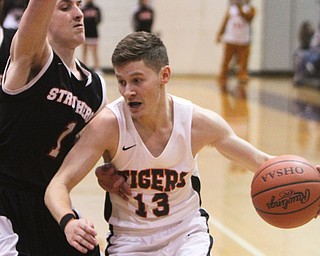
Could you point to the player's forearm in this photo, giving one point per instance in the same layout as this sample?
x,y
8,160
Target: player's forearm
x,y
57,199
243,153
30,41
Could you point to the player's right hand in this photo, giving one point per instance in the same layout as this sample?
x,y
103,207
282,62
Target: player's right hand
x,y
113,181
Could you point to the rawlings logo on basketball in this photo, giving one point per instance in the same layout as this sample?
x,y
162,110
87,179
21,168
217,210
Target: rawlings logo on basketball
x,y
288,197
283,172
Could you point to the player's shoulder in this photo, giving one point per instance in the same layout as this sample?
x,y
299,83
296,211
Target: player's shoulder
x,y
117,103
180,100
105,118
204,116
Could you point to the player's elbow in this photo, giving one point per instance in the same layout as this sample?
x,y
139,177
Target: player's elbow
x,y
48,195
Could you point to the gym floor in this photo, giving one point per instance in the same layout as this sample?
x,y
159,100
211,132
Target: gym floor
x,y
271,114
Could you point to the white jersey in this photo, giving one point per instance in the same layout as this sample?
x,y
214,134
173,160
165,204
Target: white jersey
x,y
237,29
162,186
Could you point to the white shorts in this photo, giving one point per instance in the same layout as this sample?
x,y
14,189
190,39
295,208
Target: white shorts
x,y
8,239
186,238
91,41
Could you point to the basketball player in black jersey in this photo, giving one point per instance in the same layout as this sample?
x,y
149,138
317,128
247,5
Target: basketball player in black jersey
x,y
46,98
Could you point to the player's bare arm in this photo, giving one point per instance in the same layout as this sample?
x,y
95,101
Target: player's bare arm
x,y
80,160
222,28
30,50
210,129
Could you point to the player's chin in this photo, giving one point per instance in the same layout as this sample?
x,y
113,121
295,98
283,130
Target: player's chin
x,y
78,40
136,114
79,36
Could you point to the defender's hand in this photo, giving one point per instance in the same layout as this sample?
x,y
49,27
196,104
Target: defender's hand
x,y
113,181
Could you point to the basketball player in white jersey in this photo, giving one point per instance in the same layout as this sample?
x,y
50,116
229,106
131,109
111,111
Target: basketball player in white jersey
x,y
153,139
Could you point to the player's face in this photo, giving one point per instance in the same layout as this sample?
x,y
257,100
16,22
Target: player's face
x,y
66,27
142,88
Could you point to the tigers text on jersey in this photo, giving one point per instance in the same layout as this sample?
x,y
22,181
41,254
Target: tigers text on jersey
x,y
162,186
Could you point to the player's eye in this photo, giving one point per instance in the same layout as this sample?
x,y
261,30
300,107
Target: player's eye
x,y
122,82
137,80
65,7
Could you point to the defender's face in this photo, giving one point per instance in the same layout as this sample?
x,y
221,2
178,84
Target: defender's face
x,y
141,88
66,27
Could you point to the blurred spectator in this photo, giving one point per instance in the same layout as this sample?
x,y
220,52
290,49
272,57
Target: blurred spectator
x,y
307,58
315,40
305,35
13,10
92,18
235,32
143,17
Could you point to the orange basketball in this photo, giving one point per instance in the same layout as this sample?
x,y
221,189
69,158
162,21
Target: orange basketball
x,y
285,191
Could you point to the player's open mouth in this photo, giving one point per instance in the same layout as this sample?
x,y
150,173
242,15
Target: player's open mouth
x,y
134,104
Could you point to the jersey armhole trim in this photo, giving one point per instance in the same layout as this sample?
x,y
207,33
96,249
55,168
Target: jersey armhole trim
x,y
33,81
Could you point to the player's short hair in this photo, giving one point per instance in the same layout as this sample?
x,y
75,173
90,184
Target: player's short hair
x,y
141,46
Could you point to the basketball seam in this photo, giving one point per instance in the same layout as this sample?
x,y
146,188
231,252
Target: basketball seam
x,y
284,185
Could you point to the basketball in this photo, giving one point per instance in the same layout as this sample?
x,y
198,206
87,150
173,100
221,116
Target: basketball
x,y
285,191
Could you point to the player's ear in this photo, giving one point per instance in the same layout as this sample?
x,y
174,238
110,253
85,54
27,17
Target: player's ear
x,y
165,74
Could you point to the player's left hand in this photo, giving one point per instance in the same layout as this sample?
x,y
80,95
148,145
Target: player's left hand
x,y
113,181
81,235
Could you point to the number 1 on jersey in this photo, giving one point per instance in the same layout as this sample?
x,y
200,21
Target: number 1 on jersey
x,y
55,151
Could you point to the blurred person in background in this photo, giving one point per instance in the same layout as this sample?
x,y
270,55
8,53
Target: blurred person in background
x,y
92,18
306,33
143,17
306,58
13,11
235,33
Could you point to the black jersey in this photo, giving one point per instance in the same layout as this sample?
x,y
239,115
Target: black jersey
x,y
5,47
143,19
92,17
38,124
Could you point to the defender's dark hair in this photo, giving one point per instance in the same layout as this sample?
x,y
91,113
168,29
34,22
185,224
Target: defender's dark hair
x,y
141,46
